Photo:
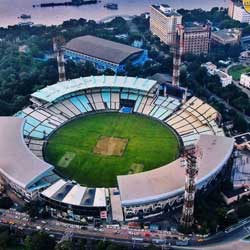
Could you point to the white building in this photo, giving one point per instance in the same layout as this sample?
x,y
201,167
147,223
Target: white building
x,y
245,80
225,79
211,68
163,22
237,12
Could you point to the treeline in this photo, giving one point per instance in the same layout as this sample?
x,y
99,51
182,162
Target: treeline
x,y
196,79
23,72
218,16
14,239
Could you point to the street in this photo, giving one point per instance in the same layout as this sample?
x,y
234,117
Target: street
x,y
228,240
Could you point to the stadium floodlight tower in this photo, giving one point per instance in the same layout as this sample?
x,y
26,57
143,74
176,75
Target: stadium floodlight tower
x,y
189,160
178,49
58,42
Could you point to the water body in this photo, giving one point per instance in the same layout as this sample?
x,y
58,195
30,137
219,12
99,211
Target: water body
x,y
11,9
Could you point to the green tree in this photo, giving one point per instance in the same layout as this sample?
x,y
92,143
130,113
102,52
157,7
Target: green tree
x,y
4,240
65,245
39,241
244,210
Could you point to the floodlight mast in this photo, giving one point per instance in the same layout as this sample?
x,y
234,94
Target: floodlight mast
x,y
189,161
58,42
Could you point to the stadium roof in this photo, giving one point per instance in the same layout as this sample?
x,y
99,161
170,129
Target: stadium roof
x,y
74,194
169,180
53,92
103,49
17,162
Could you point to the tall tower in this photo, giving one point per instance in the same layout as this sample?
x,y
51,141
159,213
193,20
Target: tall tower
x,y
57,47
177,59
189,161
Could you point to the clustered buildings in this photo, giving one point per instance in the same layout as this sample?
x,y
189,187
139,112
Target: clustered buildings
x,y
212,70
166,23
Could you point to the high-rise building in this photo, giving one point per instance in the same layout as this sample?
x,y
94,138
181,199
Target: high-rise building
x,y
230,8
194,39
163,22
237,11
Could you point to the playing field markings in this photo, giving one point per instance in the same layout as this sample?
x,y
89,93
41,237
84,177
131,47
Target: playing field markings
x,y
66,159
110,146
136,168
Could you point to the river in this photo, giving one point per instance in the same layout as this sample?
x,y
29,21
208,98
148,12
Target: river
x,y
11,9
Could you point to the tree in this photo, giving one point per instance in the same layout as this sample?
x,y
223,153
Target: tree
x,y
5,202
32,209
65,245
39,241
4,240
243,211
151,247
240,123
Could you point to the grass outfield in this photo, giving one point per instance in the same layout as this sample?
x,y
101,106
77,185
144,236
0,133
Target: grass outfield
x,y
149,144
237,70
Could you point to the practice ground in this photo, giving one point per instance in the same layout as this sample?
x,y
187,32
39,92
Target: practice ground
x,y
95,149
237,70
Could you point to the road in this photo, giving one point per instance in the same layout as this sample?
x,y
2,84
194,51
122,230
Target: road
x,y
245,90
228,106
229,240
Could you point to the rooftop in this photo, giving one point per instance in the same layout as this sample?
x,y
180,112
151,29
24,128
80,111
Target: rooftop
x,y
235,192
226,34
53,92
101,48
196,28
166,10
243,138
223,74
17,162
75,194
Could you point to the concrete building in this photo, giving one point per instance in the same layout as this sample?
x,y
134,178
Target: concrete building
x,y
245,80
194,39
212,69
240,176
163,22
242,142
237,11
226,36
104,54
235,195
245,42
225,79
